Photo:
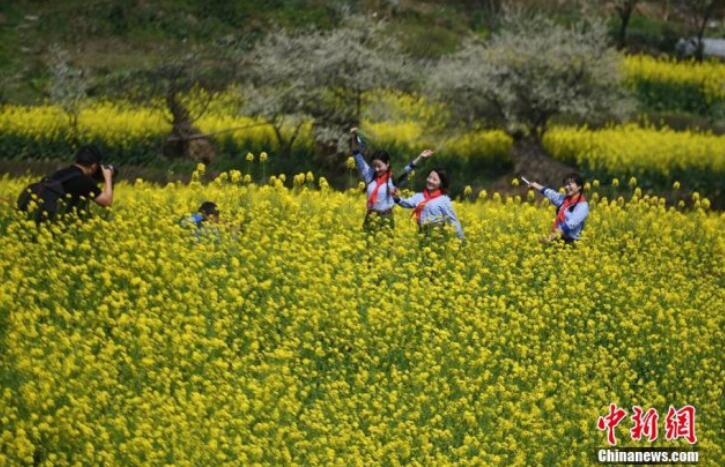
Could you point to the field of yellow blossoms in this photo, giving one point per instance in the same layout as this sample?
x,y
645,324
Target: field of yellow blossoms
x,y
134,136
285,335
708,77
657,155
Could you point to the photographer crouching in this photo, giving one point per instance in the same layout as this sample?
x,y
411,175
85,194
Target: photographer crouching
x,y
68,190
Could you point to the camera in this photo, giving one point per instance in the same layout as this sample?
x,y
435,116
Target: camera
x,y
98,175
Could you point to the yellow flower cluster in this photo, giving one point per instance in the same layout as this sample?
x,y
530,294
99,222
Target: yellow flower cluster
x,y
635,150
115,125
122,126
409,136
708,76
285,335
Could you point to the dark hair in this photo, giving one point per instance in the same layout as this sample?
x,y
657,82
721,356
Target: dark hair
x,y
574,177
208,208
443,176
381,155
88,155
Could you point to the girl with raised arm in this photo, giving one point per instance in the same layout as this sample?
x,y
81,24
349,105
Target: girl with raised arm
x,y
432,206
379,181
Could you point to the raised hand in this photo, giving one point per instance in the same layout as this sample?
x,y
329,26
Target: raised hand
x,y
354,141
423,155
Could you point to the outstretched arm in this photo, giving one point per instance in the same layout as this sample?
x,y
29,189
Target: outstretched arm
x,y
554,196
366,172
356,146
410,202
403,177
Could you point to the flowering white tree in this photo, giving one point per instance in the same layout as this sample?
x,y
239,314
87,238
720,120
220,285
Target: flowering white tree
x,y
324,77
529,73
67,87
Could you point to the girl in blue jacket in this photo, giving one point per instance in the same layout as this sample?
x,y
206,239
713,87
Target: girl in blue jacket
x,y
379,181
572,208
432,206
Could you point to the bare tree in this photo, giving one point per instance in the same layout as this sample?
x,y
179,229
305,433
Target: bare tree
x,y
697,14
624,9
182,87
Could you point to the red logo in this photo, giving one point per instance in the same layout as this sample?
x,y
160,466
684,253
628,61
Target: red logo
x,y
644,425
681,424
610,422
678,423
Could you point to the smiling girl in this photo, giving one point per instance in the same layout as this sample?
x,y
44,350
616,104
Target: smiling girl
x,y
572,208
433,206
379,181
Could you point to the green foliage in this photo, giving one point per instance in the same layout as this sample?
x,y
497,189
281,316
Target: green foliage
x,y
649,34
425,40
684,97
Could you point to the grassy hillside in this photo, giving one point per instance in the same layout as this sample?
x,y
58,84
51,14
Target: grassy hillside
x,y
106,36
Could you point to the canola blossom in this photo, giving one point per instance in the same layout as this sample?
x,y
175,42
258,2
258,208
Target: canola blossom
x,y
661,155
657,155
285,335
706,77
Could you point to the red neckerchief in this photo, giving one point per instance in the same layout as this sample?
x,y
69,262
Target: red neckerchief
x,y
561,213
427,197
380,181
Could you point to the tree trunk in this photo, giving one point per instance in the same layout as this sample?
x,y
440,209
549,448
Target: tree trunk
x,y
531,160
625,14
700,52
622,37
184,139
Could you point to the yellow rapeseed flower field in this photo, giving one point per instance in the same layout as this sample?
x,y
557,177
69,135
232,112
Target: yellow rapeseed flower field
x,y
708,77
285,335
645,152
660,155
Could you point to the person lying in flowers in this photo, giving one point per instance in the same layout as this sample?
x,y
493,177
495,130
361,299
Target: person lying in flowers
x,y
432,207
379,181
572,208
